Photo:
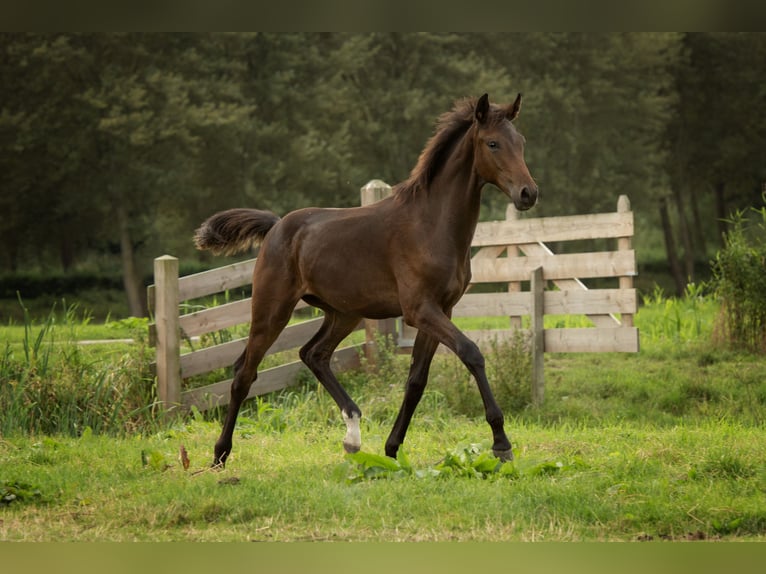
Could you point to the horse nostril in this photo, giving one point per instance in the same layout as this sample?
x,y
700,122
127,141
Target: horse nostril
x,y
525,195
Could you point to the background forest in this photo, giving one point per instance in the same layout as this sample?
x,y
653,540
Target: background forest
x,y
114,147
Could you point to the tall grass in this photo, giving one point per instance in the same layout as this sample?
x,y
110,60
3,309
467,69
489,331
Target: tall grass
x,y
51,385
677,321
739,279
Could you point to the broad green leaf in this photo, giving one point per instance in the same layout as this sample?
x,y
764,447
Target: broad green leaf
x,y
403,461
371,460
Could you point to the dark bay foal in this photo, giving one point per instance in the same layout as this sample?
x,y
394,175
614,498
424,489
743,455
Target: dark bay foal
x,y
406,255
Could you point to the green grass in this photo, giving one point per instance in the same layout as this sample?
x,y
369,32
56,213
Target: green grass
x,y
668,443
623,482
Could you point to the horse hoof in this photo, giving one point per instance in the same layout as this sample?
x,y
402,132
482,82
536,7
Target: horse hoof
x,y
219,461
351,448
504,455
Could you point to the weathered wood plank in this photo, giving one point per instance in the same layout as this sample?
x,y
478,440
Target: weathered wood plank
x,y
598,264
218,394
538,339
216,280
268,380
548,229
220,317
619,340
586,340
210,358
624,244
216,318
493,304
200,324
573,283
570,302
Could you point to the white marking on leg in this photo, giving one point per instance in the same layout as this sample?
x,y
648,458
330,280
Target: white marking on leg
x,y
353,440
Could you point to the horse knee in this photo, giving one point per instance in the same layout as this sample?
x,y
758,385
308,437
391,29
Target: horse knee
x,y
471,355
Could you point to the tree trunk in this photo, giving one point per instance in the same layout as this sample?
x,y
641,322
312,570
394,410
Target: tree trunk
x,y
66,253
131,279
699,231
720,210
686,239
670,248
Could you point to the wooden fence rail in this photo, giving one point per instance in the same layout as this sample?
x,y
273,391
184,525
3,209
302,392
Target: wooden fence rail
x,y
511,253
171,327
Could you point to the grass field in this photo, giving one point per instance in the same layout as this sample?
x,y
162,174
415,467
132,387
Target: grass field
x,y
666,444
621,482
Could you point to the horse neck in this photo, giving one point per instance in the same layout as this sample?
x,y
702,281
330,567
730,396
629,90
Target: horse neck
x,y
454,197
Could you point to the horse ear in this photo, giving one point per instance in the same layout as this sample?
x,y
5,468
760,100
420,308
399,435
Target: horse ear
x,y
514,109
482,109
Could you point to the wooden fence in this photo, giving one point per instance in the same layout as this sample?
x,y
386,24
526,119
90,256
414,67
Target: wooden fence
x,y
511,253
515,250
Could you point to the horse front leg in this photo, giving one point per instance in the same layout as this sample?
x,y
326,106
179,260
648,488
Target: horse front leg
x,y
422,354
432,320
472,358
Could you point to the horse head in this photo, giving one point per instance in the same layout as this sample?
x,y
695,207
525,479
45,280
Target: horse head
x,y
499,152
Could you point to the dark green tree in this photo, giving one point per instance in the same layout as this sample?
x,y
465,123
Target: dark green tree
x,y
104,131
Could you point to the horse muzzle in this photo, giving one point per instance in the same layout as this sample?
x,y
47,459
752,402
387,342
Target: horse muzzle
x,y
525,197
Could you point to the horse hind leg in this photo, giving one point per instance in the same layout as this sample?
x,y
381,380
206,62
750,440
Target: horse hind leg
x,y
264,329
316,354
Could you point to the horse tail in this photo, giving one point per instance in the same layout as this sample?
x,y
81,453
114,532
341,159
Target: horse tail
x,y
234,230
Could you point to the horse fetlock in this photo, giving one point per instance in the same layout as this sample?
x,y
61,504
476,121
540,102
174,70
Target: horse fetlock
x,y
495,419
221,453
392,449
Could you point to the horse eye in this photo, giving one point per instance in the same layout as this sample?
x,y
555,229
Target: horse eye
x,y
492,144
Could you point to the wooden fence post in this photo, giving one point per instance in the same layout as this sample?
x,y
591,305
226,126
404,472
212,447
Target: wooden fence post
x,y
538,337
168,331
375,190
625,244
372,192
512,214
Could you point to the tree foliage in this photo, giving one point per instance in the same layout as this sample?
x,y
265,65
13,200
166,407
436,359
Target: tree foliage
x,y
114,146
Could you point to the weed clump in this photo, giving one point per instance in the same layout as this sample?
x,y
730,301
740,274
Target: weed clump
x,y
53,386
739,280
509,370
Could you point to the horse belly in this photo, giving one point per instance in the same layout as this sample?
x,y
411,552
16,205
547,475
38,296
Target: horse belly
x,y
343,260
349,281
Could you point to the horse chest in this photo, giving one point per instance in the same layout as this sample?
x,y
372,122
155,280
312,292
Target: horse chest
x,y
447,278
